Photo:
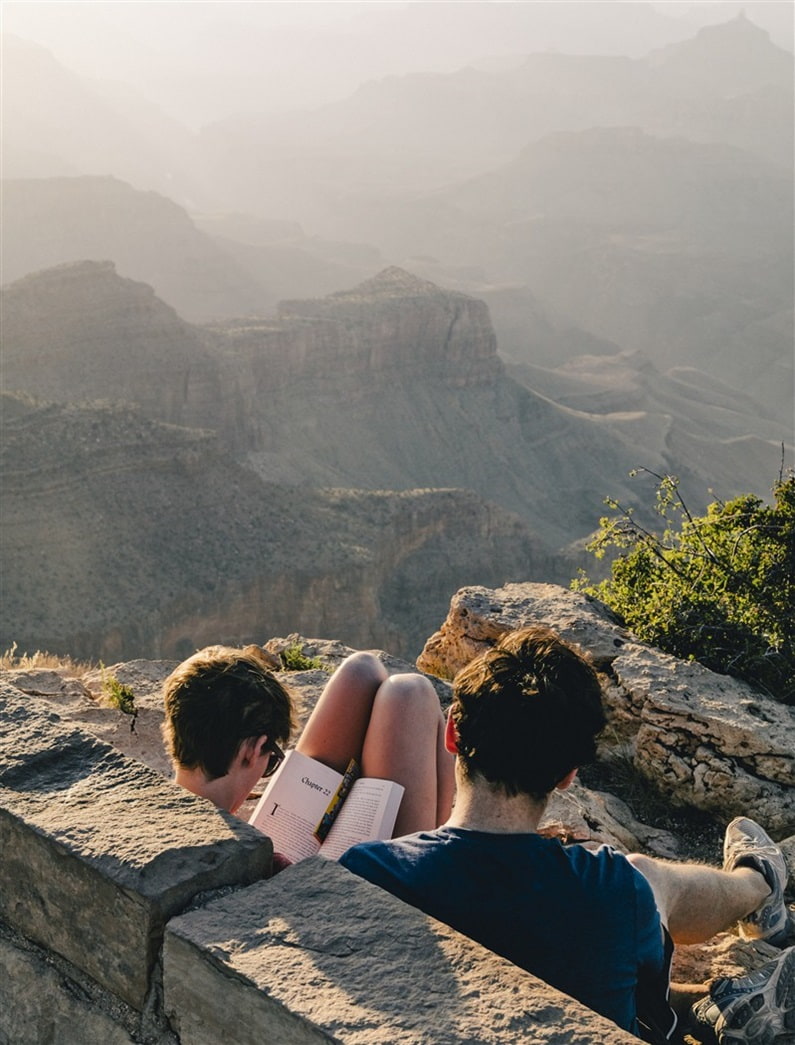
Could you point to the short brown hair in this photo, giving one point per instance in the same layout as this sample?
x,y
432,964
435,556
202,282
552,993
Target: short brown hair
x,y
527,712
218,698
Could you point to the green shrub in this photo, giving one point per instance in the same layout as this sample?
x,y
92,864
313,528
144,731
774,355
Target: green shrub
x,y
120,696
719,588
293,658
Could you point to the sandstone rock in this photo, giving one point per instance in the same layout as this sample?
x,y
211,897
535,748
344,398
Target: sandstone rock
x,y
84,701
478,616
45,998
316,954
48,682
38,1003
144,677
707,740
579,814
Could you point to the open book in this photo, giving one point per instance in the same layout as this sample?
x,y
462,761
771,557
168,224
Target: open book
x,y
308,808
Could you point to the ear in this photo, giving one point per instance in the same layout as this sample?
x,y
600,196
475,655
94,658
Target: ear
x,y
250,750
450,735
567,781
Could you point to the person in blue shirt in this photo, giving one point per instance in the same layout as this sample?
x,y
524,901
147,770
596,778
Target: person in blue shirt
x,y
596,924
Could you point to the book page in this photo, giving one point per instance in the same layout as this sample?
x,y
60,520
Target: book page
x,y
295,799
369,812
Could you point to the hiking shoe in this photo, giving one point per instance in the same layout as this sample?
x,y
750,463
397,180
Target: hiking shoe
x,y
757,1009
747,845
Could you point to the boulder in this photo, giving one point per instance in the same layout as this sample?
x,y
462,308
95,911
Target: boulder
x,y
478,616
708,740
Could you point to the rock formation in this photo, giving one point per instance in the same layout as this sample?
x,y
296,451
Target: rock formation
x,y
79,332
124,536
706,741
155,536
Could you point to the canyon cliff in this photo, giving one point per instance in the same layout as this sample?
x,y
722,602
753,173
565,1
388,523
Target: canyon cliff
x,y
124,536
340,467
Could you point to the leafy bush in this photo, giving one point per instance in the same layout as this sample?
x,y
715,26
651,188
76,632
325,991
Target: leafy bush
x,y
294,659
719,588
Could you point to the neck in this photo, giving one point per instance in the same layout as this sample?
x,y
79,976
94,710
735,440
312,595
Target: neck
x,y
218,790
480,806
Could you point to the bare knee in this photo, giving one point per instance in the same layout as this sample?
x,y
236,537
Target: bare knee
x,y
363,669
410,691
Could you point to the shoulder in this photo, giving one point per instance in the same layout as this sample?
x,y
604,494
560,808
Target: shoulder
x,y
394,847
610,871
396,858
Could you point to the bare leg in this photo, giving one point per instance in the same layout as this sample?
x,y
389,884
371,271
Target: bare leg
x,y
696,901
394,727
405,743
337,727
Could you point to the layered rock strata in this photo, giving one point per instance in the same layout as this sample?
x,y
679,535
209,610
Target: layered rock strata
x,y
123,536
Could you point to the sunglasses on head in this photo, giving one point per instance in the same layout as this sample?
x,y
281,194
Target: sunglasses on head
x,y
275,760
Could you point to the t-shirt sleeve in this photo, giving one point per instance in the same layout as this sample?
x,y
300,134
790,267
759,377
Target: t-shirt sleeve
x,y
351,859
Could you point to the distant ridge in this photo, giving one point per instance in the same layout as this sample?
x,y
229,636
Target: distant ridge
x,y
726,59
392,282
396,385
148,237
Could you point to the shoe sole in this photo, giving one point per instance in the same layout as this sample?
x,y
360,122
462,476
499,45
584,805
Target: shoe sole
x,y
762,1018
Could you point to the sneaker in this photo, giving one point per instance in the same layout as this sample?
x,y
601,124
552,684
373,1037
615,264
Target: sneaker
x,y
757,1009
747,845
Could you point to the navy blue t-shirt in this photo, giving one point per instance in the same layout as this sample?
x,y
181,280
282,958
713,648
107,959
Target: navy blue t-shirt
x,y
585,921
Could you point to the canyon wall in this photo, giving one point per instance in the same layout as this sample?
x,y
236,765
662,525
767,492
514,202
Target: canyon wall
x,y
341,467
126,537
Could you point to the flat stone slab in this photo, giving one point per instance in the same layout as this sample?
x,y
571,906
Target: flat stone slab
x,y
319,955
97,851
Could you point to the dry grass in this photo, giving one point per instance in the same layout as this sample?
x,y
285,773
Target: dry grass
x,y
11,659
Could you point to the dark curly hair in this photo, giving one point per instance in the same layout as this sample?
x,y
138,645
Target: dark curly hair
x,y
527,712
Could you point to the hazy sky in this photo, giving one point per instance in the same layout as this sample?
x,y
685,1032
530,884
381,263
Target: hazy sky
x,y
202,61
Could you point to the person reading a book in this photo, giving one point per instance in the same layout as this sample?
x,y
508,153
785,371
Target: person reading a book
x,y
228,717
598,925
